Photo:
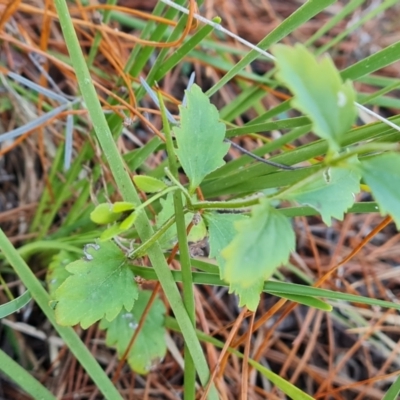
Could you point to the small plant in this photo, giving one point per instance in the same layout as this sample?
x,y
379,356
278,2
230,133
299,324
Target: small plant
x,y
243,208
248,247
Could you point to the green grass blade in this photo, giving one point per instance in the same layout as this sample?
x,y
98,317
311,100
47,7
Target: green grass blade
x,y
14,305
289,123
180,53
373,13
135,159
298,18
394,390
306,300
376,61
23,378
140,56
273,287
346,10
175,34
286,387
97,38
259,176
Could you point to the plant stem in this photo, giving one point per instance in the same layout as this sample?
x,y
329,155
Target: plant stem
x,y
177,183
225,205
187,281
155,197
143,248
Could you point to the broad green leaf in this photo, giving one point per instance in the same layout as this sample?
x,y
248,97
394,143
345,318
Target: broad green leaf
x,y
101,285
167,241
263,242
221,231
103,214
149,184
200,138
331,192
56,272
150,347
382,175
318,91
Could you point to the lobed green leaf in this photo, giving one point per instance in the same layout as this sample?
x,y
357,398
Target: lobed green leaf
x,y
331,192
382,175
56,272
318,91
150,346
263,242
221,231
100,285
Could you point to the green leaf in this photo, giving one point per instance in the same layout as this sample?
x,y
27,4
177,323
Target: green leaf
x,y
150,346
249,296
200,138
221,230
199,229
128,222
101,285
167,210
56,272
331,192
149,184
122,206
318,91
262,244
382,175
103,214
110,232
